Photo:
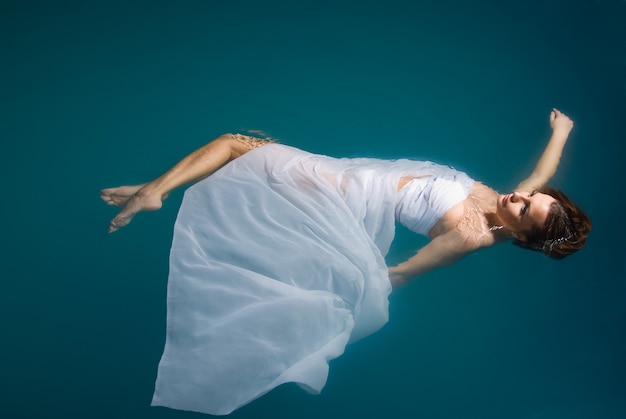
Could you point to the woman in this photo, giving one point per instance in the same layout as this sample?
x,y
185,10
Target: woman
x,y
277,260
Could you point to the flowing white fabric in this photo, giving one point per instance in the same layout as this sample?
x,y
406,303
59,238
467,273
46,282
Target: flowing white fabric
x,y
277,262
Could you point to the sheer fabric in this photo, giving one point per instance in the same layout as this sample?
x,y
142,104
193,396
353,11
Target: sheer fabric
x,y
277,263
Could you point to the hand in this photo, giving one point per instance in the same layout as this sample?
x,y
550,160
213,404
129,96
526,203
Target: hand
x,y
560,123
396,278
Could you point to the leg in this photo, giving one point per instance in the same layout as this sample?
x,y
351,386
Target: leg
x,y
194,167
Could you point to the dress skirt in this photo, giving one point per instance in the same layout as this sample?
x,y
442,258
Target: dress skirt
x,y
277,263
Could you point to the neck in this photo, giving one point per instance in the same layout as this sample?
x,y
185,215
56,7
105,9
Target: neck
x,y
485,199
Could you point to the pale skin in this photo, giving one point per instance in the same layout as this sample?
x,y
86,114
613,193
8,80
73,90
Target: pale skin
x,y
482,220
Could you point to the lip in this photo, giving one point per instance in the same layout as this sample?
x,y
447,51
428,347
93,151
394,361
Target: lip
x,y
505,199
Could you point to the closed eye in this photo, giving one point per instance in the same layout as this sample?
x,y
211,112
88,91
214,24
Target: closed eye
x,y
525,207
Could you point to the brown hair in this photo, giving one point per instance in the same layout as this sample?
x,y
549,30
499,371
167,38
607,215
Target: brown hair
x,y
564,232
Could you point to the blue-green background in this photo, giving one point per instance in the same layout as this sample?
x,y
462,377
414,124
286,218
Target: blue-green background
x,y
98,94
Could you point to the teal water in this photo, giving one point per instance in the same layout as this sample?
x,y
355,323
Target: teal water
x,y
97,94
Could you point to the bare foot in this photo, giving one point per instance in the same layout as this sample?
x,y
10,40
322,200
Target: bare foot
x,y
119,196
132,199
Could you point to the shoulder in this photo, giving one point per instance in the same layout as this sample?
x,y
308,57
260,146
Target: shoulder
x,y
465,226
455,243
464,241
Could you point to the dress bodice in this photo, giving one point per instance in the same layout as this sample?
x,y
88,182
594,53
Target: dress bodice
x,y
429,195
370,188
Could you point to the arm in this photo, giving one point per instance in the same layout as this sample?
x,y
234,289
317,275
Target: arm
x,y
561,126
442,251
196,166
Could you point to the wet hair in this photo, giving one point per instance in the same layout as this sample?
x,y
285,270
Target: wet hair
x,y
564,232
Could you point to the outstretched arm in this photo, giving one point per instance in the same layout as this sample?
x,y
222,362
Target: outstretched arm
x,y
561,126
442,251
194,167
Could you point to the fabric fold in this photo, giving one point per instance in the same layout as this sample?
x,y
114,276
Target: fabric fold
x,y
274,268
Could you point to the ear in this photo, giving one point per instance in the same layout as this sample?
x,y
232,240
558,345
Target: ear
x,y
519,236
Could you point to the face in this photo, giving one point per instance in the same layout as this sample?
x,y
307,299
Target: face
x,y
520,211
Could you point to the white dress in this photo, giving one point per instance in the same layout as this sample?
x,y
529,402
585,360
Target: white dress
x,y
277,263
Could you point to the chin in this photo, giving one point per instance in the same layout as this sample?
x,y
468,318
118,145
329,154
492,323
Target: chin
x,y
499,201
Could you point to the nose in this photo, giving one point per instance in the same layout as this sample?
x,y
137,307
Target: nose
x,y
519,196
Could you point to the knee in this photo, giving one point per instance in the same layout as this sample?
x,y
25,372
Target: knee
x,y
232,143
225,137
